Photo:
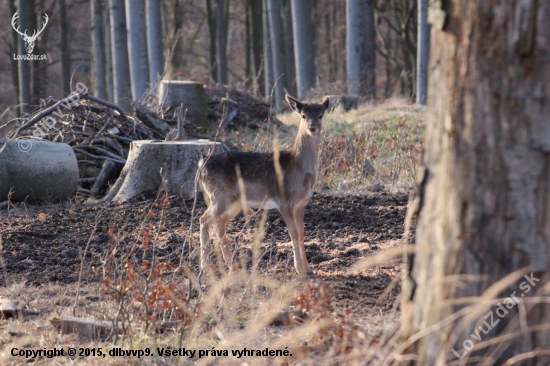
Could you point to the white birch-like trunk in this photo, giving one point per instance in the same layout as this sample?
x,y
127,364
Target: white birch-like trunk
x,y
137,47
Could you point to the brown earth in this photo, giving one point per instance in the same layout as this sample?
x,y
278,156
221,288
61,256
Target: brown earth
x,y
41,244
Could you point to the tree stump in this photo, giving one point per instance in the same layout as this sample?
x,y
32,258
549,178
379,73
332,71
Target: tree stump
x,y
173,93
37,171
178,161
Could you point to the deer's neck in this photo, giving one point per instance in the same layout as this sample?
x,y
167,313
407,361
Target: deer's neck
x,y
306,151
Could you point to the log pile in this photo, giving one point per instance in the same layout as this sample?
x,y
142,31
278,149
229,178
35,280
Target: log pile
x,y
100,132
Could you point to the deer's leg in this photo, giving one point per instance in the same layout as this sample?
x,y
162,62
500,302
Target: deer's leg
x,y
205,221
299,218
290,220
222,218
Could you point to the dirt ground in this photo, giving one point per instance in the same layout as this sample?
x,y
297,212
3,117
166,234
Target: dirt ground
x,y
42,244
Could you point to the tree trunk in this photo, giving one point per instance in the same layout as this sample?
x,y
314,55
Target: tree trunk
x,y
256,23
121,68
98,46
64,48
423,52
268,56
14,48
24,66
154,42
137,47
303,46
212,39
288,41
222,24
277,51
360,47
108,55
484,208
369,71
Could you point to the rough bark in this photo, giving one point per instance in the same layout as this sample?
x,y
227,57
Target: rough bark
x,y
98,47
484,208
154,41
121,68
137,47
303,46
277,51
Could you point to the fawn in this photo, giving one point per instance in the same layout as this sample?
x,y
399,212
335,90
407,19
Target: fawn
x,y
286,185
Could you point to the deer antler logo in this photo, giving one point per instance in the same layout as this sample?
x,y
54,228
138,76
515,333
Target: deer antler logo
x,y
29,40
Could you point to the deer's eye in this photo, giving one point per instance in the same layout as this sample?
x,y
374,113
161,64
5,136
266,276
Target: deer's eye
x,y
321,116
303,116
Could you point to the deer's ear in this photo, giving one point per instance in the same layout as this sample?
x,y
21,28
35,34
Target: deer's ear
x,y
326,102
294,104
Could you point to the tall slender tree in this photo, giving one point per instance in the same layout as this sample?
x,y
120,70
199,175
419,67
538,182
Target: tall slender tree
x,y
98,47
137,47
154,40
108,54
212,30
303,46
257,28
121,65
423,52
267,55
288,42
24,21
277,51
64,44
360,47
222,25
483,230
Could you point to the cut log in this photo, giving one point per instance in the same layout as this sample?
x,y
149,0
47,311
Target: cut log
x,y
173,93
177,159
88,329
8,309
35,170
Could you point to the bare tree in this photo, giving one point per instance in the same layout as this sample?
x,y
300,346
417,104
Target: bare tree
x,y
64,32
119,38
98,47
108,55
137,47
483,227
212,30
288,45
24,22
268,54
303,46
360,47
277,51
423,52
222,27
256,25
154,40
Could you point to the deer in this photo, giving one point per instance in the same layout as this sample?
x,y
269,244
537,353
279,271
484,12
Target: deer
x,y
284,180
29,40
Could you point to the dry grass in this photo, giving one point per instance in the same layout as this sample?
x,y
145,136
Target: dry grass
x,y
375,144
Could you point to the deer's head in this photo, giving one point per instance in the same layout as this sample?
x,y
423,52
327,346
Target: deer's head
x,y
29,40
311,113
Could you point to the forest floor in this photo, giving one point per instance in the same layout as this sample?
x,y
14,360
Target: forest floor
x,y
43,247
